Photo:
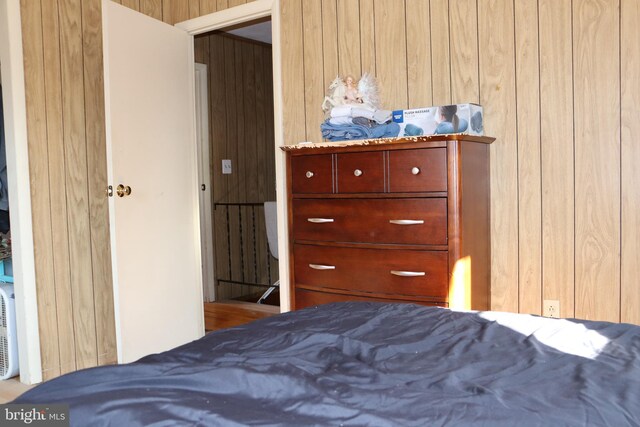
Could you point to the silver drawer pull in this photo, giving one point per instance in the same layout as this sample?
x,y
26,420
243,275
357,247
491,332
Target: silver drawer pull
x,y
309,174
415,170
320,220
407,273
357,172
322,267
406,221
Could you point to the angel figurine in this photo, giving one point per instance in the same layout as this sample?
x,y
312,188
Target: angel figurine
x,y
347,91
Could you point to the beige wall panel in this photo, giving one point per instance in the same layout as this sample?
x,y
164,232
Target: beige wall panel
x,y
152,8
596,63
419,54
440,57
236,2
97,173
38,169
329,41
132,4
630,55
557,166
348,37
529,181
497,89
208,6
292,72
391,50
77,185
367,37
174,11
314,87
222,4
463,24
194,8
57,175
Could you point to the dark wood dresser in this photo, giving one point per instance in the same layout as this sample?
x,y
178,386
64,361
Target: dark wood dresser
x,y
392,220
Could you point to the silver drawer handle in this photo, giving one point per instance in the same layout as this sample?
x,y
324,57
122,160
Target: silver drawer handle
x,y
322,267
406,221
309,174
357,172
415,170
320,220
407,273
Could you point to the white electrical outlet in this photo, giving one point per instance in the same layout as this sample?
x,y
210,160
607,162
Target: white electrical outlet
x,y
551,308
226,167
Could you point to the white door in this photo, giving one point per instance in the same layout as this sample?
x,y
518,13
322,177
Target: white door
x,y
151,147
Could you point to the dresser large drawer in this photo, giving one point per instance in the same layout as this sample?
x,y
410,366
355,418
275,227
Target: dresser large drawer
x,y
361,172
371,220
307,298
312,174
394,272
418,170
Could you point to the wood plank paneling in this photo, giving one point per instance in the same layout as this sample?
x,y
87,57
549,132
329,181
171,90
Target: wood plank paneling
x,y
174,11
208,6
97,174
348,13
152,8
497,96
630,174
132,4
34,75
57,174
529,193
557,166
440,56
367,37
77,182
596,63
391,50
292,72
314,87
463,24
419,54
329,41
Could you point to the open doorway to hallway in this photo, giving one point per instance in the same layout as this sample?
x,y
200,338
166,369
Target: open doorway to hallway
x,y
240,266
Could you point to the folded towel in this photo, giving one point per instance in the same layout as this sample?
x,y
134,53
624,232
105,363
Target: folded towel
x,y
341,111
333,132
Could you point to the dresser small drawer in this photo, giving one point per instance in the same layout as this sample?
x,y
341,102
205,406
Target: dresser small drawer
x,y
361,172
312,174
379,271
420,170
371,220
306,298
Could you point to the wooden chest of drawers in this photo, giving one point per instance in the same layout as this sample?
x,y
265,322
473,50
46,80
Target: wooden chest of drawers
x,y
395,221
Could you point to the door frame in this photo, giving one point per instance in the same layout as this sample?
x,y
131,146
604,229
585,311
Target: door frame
x,y
204,176
236,15
15,120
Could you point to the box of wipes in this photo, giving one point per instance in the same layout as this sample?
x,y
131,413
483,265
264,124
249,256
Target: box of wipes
x,y
460,118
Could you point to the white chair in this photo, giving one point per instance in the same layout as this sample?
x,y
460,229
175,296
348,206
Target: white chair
x,y
271,221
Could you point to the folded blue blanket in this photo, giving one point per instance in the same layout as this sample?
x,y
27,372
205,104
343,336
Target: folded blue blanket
x,y
345,132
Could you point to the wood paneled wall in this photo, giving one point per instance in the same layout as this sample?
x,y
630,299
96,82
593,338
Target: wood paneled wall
x,y
62,43
559,83
241,130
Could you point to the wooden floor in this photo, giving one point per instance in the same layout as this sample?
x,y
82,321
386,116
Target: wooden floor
x,y
227,314
12,388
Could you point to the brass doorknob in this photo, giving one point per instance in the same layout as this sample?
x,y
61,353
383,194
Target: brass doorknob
x,y
122,190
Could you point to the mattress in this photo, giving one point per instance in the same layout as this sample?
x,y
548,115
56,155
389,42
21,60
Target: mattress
x,y
372,364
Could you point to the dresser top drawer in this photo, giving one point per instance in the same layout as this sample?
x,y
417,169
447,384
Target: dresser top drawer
x,y
421,170
361,172
312,174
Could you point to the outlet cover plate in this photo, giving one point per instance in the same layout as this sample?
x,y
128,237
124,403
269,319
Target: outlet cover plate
x,y
226,167
551,308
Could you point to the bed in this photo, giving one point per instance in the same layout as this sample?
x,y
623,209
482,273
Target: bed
x,y
360,363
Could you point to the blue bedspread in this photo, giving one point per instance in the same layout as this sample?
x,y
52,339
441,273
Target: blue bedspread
x,y
372,364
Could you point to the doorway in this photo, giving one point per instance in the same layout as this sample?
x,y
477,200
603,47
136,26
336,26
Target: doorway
x,y
241,269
